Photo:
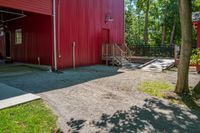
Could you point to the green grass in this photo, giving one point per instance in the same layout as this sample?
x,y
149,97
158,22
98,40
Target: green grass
x,y
155,88
160,89
33,117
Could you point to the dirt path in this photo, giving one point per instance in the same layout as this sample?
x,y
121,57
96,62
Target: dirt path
x,y
113,104
105,99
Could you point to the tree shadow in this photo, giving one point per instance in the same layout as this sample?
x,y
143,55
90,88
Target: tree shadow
x,y
37,81
76,125
153,116
189,101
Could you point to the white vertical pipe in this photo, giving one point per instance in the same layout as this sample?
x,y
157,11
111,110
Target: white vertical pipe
x,y
55,35
58,34
74,55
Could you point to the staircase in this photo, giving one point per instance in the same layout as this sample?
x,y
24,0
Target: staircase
x,y
116,55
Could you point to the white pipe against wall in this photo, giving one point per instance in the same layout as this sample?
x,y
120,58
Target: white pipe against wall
x,y
74,54
55,35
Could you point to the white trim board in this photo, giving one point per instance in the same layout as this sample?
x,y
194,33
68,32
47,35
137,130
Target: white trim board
x,y
10,96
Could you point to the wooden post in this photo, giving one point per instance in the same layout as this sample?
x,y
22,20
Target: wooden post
x,y
74,55
107,54
113,53
102,53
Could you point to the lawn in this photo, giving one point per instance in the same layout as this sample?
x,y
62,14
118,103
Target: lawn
x,y
161,89
33,117
155,88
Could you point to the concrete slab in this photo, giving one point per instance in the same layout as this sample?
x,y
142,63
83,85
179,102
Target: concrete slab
x,y
10,96
158,65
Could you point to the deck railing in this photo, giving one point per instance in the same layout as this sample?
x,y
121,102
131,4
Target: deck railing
x,y
115,52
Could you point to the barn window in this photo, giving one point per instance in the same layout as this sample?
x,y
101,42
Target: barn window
x,y
18,36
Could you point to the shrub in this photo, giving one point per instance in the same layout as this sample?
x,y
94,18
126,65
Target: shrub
x,y
195,58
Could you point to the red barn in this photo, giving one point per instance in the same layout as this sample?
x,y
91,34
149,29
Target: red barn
x,y
196,22
198,33
60,33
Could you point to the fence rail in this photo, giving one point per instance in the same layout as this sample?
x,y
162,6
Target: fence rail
x,y
155,51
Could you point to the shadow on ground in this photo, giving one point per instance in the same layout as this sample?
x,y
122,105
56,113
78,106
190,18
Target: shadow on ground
x,y
153,116
37,81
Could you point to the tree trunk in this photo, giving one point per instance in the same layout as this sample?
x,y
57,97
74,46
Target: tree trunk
x,y
146,23
172,33
186,47
163,34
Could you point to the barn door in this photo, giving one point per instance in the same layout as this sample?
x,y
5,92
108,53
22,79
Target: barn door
x,y
8,43
104,46
105,36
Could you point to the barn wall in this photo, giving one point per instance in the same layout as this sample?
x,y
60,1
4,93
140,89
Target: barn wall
x,y
198,35
37,39
2,47
37,6
83,21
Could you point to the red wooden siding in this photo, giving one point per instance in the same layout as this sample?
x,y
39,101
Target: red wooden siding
x,y
36,39
197,27
82,21
198,35
1,47
79,21
36,6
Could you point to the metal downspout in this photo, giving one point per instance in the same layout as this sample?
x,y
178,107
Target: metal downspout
x,y
55,35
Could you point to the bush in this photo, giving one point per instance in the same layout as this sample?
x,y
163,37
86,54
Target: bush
x,y
195,58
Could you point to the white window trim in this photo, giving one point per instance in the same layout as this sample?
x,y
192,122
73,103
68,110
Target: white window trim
x,y
17,42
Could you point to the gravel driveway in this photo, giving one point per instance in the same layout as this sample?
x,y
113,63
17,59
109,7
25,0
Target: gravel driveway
x,y
104,99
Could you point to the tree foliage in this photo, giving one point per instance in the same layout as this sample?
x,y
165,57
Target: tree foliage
x,y
163,18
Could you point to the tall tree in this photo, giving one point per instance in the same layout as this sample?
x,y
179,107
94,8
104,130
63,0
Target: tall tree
x,y
144,6
146,23
172,33
163,22
185,9
164,30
